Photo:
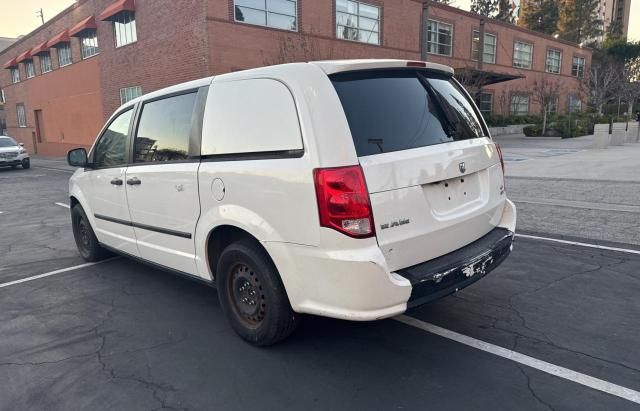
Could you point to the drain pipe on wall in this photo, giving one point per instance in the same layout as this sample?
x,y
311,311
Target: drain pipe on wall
x,y
423,32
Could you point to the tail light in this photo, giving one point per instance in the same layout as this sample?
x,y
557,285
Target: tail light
x,y
343,201
500,155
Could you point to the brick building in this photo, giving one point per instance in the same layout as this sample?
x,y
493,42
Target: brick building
x,y
64,79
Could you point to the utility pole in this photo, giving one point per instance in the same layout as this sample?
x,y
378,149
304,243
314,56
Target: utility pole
x,y
423,30
40,14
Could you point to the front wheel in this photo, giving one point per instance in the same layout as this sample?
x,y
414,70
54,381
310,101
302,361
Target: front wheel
x,y
88,245
252,295
26,163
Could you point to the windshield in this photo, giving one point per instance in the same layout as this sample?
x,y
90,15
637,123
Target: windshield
x,y
7,142
400,109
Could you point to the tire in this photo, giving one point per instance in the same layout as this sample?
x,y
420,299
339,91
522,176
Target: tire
x,y
26,163
252,295
86,241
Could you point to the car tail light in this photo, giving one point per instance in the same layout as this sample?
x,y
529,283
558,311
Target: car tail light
x,y
416,64
500,155
343,201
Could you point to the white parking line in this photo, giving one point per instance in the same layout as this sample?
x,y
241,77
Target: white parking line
x,y
555,370
599,247
49,274
63,205
55,169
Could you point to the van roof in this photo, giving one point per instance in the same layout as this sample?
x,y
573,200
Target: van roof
x,y
337,66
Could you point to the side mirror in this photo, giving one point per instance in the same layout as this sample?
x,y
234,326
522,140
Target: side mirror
x,y
21,144
78,158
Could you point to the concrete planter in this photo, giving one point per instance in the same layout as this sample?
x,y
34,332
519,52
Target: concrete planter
x,y
601,137
618,134
507,130
633,133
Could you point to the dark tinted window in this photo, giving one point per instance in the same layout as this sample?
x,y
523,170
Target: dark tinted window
x,y
164,128
111,149
394,110
7,142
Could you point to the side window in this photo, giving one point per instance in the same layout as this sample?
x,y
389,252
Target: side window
x,y
164,129
250,116
111,149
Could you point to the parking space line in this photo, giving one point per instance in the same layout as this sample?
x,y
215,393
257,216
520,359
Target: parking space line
x,y
55,169
599,247
63,205
555,370
49,274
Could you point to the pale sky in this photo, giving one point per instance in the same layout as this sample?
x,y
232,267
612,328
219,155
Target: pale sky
x,y
19,16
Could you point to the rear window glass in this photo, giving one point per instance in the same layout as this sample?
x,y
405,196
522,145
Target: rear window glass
x,y
395,110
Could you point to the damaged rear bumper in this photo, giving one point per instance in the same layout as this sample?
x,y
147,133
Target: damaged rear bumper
x,y
454,271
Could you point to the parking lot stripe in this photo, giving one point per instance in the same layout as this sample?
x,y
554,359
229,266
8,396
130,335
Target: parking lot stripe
x,y
55,169
600,247
49,274
555,370
63,205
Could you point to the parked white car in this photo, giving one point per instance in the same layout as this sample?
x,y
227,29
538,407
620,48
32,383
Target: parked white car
x,y
13,154
349,189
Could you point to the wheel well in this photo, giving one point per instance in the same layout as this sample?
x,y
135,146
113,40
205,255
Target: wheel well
x,y
223,236
73,201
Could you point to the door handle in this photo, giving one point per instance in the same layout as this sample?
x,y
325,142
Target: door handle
x,y
116,182
134,181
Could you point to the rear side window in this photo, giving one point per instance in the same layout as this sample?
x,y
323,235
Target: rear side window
x,y
393,110
111,149
250,116
164,129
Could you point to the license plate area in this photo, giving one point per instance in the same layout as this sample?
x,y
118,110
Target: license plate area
x,y
447,196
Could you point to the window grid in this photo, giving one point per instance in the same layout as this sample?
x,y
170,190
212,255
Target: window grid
x,y
575,104
552,108
64,55
22,115
489,52
29,69
15,75
519,105
279,14
357,21
89,44
45,63
129,93
124,29
439,38
577,68
485,103
522,55
554,60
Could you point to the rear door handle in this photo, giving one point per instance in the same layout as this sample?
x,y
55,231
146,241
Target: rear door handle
x,y
134,181
116,182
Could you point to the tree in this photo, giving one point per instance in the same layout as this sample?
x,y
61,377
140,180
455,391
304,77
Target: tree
x,y
485,8
629,85
601,80
540,15
505,11
545,92
579,20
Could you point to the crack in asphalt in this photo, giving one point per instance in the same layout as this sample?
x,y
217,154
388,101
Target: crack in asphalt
x,y
532,391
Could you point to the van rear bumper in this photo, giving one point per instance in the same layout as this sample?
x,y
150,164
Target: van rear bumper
x,y
454,271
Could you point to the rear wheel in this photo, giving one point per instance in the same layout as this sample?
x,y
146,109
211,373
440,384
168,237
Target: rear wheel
x,y
252,295
26,163
86,241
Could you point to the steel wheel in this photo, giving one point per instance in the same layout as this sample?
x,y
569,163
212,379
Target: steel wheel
x,y
246,295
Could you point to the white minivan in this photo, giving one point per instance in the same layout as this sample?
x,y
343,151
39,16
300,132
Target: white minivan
x,y
352,189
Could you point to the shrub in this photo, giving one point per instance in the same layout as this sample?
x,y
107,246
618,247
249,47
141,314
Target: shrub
x,y
533,131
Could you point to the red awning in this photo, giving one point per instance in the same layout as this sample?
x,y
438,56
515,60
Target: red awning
x,y
39,49
10,63
60,38
87,24
24,56
117,7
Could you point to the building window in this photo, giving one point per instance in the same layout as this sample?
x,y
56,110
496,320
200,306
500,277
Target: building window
x,y
519,105
522,55
22,116
64,55
575,104
124,29
577,68
15,75
552,108
554,60
357,21
439,38
129,93
279,14
29,69
2,98
45,63
89,44
485,103
489,52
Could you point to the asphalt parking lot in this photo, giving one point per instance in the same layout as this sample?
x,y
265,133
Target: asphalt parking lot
x,y
556,327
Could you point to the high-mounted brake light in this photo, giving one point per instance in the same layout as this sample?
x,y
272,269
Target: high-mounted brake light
x,y
499,150
343,201
416,64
